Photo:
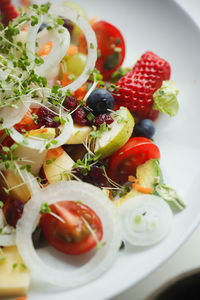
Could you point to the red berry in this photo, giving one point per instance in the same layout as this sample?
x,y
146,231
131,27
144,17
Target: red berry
x,y
13,211
71,103
46,117
137,87
80,116
102,118
8,10
95,176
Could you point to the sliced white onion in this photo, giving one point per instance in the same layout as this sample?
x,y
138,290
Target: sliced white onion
x,y
60,44
7,236
145,220
75,17
11,116
103,258
68,13
40,144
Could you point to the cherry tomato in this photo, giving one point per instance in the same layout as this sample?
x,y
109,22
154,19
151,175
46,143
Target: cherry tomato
x,y
111,48
73,236
135,152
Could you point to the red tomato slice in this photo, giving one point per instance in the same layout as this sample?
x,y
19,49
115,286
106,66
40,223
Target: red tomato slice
x,y
111,46
73,236
134,153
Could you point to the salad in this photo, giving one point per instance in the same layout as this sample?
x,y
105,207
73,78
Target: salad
x,y
79,168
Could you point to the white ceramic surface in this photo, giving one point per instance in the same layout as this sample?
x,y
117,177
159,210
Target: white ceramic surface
x,y
160,26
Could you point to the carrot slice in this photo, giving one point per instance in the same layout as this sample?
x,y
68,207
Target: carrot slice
x,y
139,188
72,50
27,121
81,92
21,298
45,49
55,153
142,189
65,80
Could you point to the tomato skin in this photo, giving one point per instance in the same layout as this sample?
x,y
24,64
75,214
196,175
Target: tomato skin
x,y
108,39
73,236
135,152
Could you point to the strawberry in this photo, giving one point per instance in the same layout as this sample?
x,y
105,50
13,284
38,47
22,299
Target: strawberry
x,y
137,87
8,10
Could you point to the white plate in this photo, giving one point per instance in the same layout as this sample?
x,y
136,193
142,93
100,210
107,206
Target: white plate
x,y
164,28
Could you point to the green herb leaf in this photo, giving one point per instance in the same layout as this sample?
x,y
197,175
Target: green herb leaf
x,y
165,98
45,208
170,196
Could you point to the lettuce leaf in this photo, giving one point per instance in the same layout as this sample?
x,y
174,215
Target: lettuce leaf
x,y
165,98
170,196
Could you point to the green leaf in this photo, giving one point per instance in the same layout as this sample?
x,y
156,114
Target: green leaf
x,y
165,98
170,196
45,208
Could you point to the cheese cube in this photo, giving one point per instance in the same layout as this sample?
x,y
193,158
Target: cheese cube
x,y
14,276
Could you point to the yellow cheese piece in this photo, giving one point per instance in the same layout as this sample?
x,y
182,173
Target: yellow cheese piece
x,y
14,276
79,134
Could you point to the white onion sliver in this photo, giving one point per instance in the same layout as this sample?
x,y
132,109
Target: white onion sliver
x,y
145,220
31,182
34,157
72,15
40,144
103,258
60,44
6,239
12,116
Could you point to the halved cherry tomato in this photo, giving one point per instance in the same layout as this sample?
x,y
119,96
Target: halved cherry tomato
x,y
135,152
73,236
111,48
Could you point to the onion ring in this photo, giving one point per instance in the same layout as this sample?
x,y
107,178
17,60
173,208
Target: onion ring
x,y
40,144
11,116
103,258
75,17
145,220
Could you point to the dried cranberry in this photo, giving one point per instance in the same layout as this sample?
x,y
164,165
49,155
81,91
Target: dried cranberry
x,y
68,24
46,117
95,176
13,211
100,119
71,103
80,116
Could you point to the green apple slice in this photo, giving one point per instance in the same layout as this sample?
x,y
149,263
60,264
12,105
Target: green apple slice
x,y
117,134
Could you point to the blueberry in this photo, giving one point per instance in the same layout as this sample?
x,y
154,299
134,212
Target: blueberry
x,y
100,101
144,128
42,26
